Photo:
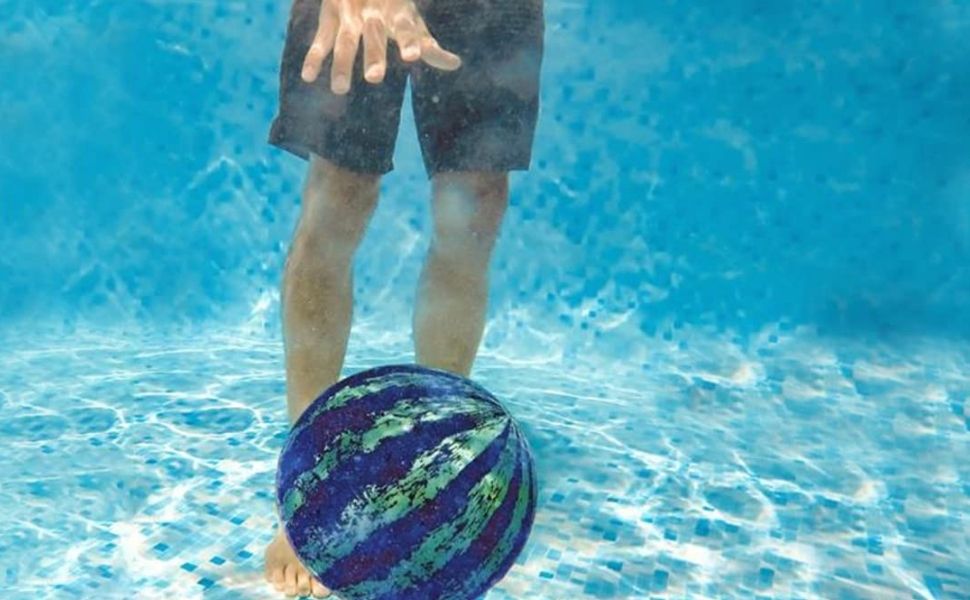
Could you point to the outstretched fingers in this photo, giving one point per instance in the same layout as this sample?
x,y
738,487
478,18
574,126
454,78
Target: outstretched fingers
x,y
322,43
438,57
375,46
344,22
344,53
404,29
416,42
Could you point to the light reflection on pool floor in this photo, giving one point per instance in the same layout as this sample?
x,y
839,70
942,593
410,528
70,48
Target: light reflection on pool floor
x,y
790,467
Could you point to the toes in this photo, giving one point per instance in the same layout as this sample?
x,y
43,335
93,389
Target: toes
x,y
278,580
289,585
319,591
303,582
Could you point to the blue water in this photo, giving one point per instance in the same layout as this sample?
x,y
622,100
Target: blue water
x,y
730,304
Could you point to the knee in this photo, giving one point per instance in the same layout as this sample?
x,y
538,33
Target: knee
x,y
469,209
342,184
337,205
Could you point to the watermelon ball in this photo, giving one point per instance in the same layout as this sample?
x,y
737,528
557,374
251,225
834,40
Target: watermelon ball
x,y
406,482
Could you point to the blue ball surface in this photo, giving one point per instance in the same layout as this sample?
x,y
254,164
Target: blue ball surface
x,y
406,482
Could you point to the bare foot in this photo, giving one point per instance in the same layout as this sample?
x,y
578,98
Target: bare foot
x,y
286,574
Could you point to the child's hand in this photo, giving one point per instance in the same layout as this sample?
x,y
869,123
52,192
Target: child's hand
x,y
343,22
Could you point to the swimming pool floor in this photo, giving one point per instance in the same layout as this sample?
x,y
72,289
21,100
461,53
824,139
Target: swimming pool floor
x,y
781,467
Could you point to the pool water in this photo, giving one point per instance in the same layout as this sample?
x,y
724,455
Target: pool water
x,y
782,468
730,305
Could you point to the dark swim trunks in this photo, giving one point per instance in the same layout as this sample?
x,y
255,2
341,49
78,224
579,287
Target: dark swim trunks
x,y
481,117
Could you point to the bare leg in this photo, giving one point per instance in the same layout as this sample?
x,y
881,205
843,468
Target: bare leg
x,y
317,302
449,314
317,281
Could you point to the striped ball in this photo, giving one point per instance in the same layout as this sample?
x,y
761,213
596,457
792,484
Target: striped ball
x,y
406,482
